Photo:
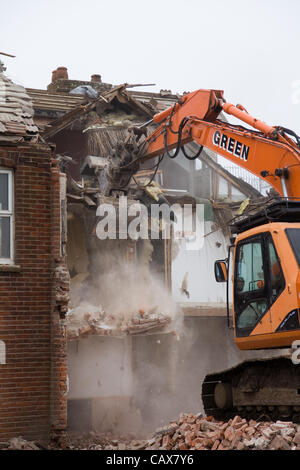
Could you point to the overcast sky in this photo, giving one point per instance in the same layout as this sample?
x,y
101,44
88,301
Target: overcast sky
x,y
248,48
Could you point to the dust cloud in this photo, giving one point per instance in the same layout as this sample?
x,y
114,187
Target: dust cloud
x,y
120,298
126,295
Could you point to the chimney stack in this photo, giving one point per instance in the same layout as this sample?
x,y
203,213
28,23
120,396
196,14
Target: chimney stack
x,y
54,75
96,78
61,72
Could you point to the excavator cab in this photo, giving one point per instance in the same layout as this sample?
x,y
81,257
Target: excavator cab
x,y
266,299
266,280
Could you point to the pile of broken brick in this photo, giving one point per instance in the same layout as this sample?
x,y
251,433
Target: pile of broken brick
x,y
199,433
189,432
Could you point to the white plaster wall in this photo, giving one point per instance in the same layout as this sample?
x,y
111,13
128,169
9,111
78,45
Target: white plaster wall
x,y
99,367
199,264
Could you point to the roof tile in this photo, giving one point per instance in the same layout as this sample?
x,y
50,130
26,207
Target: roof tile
x,y
16,112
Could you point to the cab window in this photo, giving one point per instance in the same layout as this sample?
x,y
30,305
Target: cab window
x,y
259,280
276,274
250,287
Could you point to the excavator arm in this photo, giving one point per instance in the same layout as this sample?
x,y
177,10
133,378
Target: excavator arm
x,y
271,153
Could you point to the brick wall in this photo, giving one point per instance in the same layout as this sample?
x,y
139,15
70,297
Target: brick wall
x,y
32,382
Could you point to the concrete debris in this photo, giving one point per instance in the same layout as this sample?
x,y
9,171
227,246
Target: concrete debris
x,y
165,92
103,441
62,287
18,443
87,320
169,429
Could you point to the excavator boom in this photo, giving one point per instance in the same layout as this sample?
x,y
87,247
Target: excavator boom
x,y
267,152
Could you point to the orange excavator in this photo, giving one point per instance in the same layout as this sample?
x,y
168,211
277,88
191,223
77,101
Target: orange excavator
x,y
265,251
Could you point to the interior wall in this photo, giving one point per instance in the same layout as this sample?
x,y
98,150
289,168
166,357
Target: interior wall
x,y
194,269
99,366
101,383
140,383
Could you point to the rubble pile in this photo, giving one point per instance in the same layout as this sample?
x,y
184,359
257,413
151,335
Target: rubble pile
x,y
198,433
89,320
104,441
18,443
189,432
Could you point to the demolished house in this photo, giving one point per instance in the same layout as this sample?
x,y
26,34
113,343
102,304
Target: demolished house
x,y
86,134
140,312
131,300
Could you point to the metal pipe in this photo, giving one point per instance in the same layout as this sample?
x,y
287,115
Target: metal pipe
x,y
284,190
7,55
145,124
244,116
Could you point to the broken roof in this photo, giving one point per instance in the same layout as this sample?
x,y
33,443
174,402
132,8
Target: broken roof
x,y
118,93
105,132
16,112
53,104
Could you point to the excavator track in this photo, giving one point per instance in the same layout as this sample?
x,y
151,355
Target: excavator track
x,y
265,390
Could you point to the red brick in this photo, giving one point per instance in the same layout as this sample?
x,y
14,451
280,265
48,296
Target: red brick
x,y
167,442
296,439
189,437
182,446
226,443
250,430
191,418
29,386
229,433
215,445
237,438
237,419
278,443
